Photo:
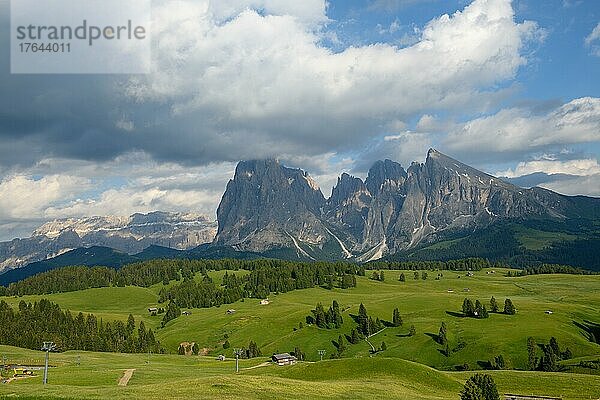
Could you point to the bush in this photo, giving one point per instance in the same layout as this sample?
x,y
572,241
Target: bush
x,y
480,387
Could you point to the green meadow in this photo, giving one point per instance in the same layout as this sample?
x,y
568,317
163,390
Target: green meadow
x,y
412,367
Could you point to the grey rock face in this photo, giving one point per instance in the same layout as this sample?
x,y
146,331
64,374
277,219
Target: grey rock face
x,y
267,205
127,234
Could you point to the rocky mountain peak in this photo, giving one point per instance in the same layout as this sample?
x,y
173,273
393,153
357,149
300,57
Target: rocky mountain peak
x,y
347,186
268,205
265,194
382,172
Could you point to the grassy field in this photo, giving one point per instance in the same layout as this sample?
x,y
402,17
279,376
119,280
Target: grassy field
x,y
84,375
275,327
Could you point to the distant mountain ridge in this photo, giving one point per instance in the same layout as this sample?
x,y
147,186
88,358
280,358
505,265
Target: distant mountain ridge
x,y
437,210
130,235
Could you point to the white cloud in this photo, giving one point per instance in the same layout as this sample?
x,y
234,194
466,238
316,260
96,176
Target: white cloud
x,y
131,183
592,39
581,185
394,27
265,75
404,147
311,12
519,131
129,200
23,197
584,167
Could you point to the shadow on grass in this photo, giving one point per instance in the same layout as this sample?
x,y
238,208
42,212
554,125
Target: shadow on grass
x,y
436,338
456,314
591,330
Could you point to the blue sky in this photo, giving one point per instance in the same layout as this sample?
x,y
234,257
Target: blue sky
x,y
511,88
562,67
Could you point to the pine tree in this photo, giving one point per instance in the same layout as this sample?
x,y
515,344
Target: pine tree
x,y
471,391
354,339
226,345
195,349
412,331
363,320
341,344
173,311
509,308
416,276
130,325
383,346
337,315
493,305
381,276
424,275
478,309
253,350
498,362
299,354
468,308
320,317
484,312
442,335
396,318
554,345
402,278
532,359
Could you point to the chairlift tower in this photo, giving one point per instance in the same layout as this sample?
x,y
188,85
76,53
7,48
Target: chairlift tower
x,y
48,347
237,353
321,353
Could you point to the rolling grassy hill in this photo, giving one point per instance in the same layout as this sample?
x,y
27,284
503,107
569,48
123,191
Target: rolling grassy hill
x,y
424,304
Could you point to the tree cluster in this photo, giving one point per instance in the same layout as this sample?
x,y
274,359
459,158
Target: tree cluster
x,y
551,355
480,387
477,310
148,273
251,351
378,276
330,319
366,324
261,281
173,311
465,264
553,269
34,323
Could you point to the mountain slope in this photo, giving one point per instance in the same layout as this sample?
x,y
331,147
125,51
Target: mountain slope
x,y
268,206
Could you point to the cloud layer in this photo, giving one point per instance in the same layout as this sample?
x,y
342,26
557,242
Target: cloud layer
x,y
254,78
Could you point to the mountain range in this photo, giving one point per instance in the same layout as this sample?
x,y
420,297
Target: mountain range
x,y
394,211
440,209
130,235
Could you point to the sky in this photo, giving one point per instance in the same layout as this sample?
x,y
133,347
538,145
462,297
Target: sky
x,y
509,87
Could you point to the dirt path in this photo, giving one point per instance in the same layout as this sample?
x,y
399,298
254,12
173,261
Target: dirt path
x,y
16,378
127,374
265,364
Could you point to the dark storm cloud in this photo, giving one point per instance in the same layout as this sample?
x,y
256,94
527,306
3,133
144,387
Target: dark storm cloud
x,y
254,87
